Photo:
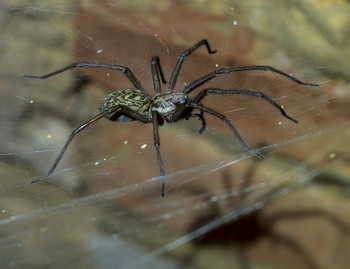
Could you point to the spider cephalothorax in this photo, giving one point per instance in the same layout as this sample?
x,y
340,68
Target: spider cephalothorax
x,y
166,104
126,105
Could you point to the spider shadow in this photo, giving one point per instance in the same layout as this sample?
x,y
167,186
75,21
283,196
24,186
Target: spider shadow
x,y
75,93
250,228
332,180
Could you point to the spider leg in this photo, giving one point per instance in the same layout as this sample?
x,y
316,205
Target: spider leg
x,y
228,123
130,75
226,70
255,93
185,112
199,116
75,132
156,71
180,60
157,145
115,109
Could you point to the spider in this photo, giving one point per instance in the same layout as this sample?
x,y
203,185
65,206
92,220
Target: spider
x,y
125,105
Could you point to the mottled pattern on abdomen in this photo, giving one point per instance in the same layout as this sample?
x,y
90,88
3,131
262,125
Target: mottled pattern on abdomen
x,y
137,100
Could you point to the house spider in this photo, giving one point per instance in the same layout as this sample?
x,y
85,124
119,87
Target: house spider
x,y
124,105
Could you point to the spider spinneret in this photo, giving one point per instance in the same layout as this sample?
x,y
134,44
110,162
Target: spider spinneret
x,y
125,105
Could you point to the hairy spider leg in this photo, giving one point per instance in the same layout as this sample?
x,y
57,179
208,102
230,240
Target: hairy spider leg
x,y
157,146
228,123
204,92
130,75
180,60
226,70
156,71
116,109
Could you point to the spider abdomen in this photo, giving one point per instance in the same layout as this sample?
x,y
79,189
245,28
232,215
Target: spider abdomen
x,y
136,100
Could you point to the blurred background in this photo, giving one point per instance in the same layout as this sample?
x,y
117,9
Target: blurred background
x,y
223,208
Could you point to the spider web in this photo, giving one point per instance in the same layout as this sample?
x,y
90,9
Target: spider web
x,y
223,207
